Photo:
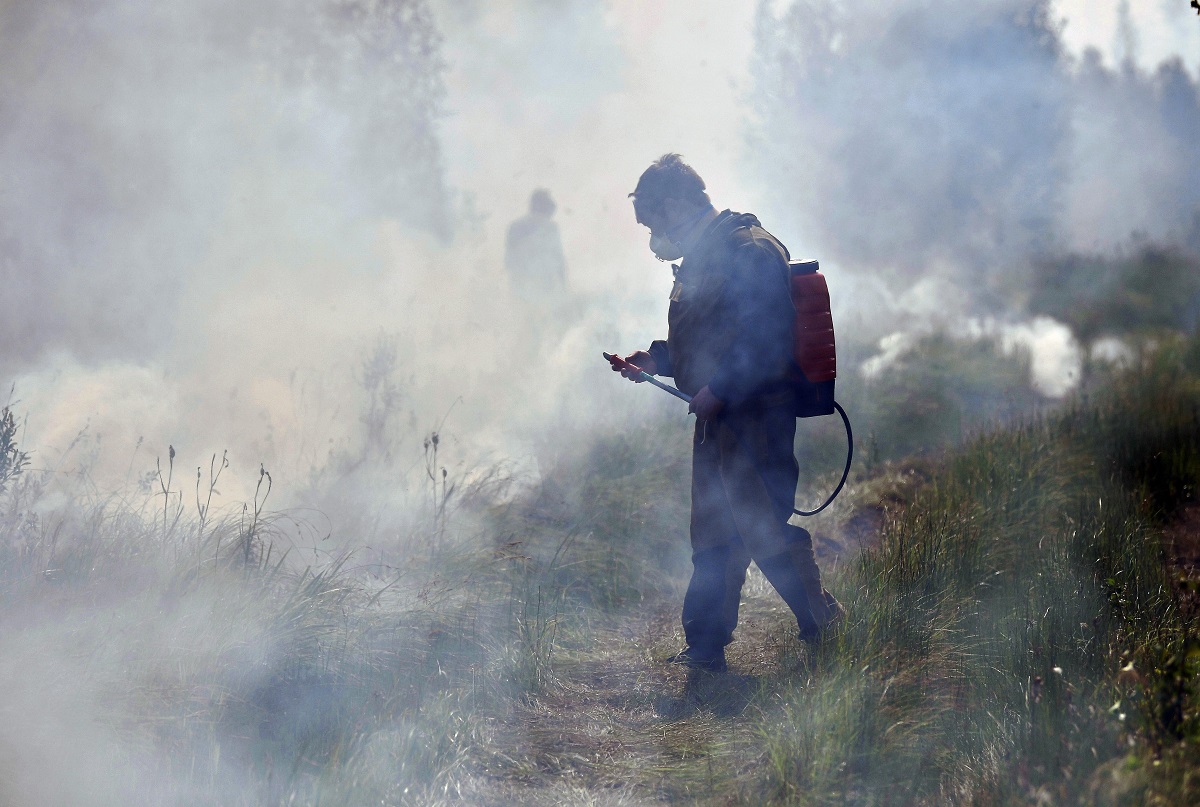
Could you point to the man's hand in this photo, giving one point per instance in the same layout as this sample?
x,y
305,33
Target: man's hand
x,y
643,360
705,405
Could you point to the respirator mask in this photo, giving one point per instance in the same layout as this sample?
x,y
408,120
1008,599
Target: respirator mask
x,y
668,247
664,248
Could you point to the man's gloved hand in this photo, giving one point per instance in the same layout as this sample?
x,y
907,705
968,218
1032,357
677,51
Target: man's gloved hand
x,y
705,405
643,360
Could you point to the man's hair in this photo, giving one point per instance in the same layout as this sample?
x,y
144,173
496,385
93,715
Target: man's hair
x,y
668,177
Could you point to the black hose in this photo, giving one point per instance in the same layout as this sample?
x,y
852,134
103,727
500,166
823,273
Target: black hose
x,y
845,473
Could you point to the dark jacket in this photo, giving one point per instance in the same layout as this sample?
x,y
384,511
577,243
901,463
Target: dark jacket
x,y
731,318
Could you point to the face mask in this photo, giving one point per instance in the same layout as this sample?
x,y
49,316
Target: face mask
x,y
664,248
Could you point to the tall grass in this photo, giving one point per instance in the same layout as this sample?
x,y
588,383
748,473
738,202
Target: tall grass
x,y
229,659
226,663
1016,635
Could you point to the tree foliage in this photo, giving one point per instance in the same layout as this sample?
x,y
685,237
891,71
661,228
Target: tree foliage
x,y
1142,288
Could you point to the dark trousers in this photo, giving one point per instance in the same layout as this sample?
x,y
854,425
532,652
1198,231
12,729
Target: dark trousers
x,y
744,476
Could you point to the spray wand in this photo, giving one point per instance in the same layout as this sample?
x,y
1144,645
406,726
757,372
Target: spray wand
x,y
639,374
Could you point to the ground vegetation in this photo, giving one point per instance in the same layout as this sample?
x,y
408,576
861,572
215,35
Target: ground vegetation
x,y
1022,626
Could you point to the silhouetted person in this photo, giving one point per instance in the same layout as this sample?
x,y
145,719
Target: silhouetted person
x,y
729,345
533,253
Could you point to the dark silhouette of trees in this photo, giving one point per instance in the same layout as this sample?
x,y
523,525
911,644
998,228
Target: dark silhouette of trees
x,y
1143,288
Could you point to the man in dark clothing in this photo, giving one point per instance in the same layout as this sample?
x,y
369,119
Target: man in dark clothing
x,y
729,345
533,253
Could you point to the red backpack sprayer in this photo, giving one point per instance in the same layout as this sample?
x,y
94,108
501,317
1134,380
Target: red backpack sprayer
x,y
814,353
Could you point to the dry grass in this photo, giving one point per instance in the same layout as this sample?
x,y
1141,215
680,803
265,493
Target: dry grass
x,y
1002,599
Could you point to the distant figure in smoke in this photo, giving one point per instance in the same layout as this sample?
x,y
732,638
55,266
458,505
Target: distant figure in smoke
x,y
533,253
729,345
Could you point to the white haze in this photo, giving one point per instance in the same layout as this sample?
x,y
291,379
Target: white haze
x,y
217,279
206,232
932,152
265,277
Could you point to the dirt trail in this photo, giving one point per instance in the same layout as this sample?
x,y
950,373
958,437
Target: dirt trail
x,y
620,726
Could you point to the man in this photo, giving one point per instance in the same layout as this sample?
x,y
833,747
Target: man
x,y
729,345
533,253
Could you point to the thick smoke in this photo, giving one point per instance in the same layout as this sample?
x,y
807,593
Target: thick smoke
x,y
300,219
953,163
277,227
931,138
1135,156
917,137
212,216
135,138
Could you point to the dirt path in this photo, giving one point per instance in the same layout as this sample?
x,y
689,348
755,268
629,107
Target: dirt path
x,y
619,726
